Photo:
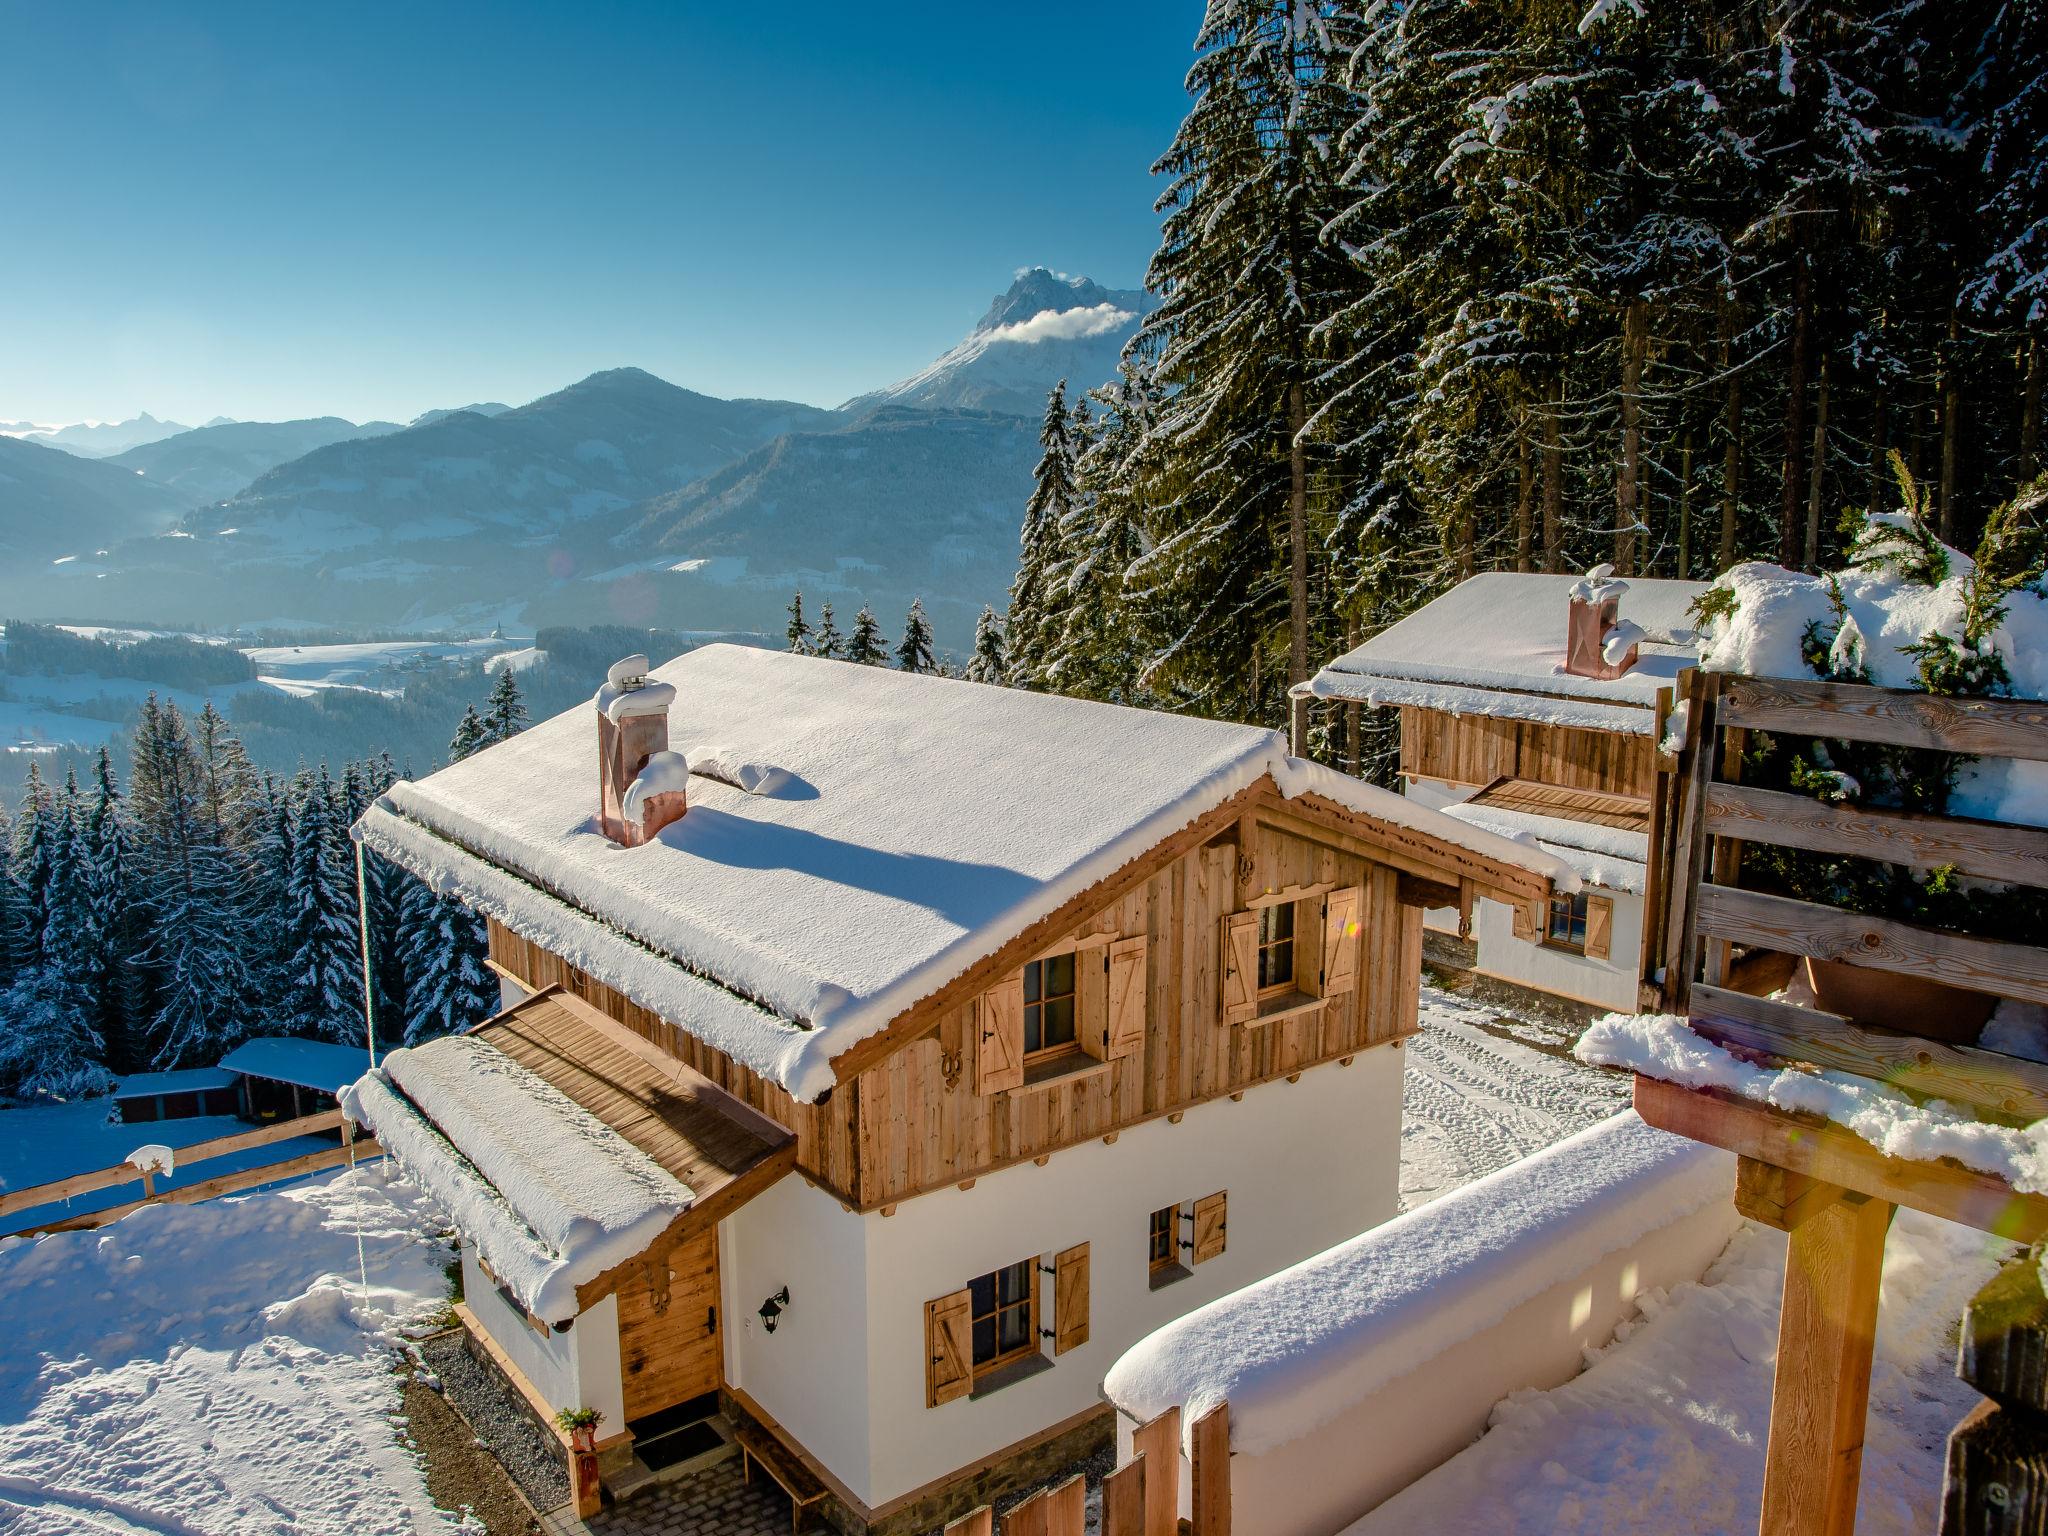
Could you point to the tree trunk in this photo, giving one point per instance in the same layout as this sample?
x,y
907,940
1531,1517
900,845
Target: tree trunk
x,y
1951,421
1553,481
1817,470
1731,453
2030,413
1635,341
1297,537
1880,407
1525,495
1795,418
1685,507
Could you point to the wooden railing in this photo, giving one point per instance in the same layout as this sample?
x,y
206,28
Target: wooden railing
x,y
1140,1498
350,1150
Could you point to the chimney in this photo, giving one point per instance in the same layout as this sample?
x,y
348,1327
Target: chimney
x,y
632,728
1594,608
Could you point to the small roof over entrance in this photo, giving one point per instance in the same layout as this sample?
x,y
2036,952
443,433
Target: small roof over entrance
x,y
566,1148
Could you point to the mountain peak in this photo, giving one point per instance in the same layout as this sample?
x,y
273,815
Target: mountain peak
x,y
1036,290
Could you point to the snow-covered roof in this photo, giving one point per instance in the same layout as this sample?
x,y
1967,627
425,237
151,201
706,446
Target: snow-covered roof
x,y
303,1063
1609,857
1293,1351
925,822
146,1085
1494,645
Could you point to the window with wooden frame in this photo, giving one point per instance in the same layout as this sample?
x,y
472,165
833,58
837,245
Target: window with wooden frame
x,y
1580,923
1004,1315
1163,1245
1286,953
1051,1008
988,1334
1068,1011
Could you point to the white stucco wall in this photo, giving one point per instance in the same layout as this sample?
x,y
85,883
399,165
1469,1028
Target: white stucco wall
x,y
1611,983
550,1362
1305,1164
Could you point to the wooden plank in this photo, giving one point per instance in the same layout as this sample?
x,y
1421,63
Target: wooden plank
x,y
1827,1327
1157,1447
1211,1447
976,1522
1855,712
1123,1500
1988,849
224,1184
197,1152
1778,1197
1809,1145
1033,1517
1689,837
1828,933
2005,1085
1070,1299
948,1348
1066,1507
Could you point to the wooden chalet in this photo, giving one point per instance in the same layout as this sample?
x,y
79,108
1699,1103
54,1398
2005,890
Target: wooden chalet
x,y
985,1031
1514,717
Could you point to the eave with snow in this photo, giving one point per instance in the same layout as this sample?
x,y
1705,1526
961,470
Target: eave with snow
x,y
1019,976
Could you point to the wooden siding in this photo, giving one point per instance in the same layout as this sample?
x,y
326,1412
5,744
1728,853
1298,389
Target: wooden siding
x,y
669,1349
1477,749
916,1122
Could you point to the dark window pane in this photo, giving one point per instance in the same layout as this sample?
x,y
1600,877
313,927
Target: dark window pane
x,y
1031,982
981,1293
1014,1283
1059,975
1032,1027
1059,1021
984,1340
1016,1330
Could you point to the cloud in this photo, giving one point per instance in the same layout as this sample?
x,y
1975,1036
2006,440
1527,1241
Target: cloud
x,y
1064,324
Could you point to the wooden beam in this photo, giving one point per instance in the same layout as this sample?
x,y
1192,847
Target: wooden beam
x,y
1827,1327
1157,1445
976,1522
1778,1197
1033,1517
1878,943
1415,891
225,1184
1689,836
1809,1145
1762,1026
1988,849
1854,712
1388,842
1123,1500
1211,1478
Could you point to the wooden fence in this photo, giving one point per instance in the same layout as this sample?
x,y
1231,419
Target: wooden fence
x,y
1140,1498
350,1150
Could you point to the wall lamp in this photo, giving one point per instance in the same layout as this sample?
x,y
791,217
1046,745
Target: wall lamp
x,y
771,1309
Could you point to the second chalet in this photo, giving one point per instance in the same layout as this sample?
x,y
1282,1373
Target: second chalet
x,y
886,1054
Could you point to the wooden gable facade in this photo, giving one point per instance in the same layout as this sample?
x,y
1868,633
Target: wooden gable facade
x,y
1166,998
1477,750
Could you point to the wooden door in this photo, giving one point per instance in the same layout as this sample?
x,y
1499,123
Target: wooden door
x,y
669,1347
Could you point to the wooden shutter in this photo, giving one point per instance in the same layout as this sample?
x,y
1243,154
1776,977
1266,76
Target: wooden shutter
x,y
1070,1299
948,1348
1525,923
1212,1226
999,1060
1599,927
1340,942
1240,983
1127,992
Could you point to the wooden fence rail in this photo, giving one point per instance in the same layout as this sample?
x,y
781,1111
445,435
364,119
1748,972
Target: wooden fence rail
x,y
1140,1498
350,1150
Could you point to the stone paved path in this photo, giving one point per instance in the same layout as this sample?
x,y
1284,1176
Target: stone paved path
x,y
712,1501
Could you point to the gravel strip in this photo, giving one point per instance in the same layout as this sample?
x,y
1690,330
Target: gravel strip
x,y
503,1424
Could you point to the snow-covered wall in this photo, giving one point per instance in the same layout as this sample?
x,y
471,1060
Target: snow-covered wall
x,y
853,1333
1354,1373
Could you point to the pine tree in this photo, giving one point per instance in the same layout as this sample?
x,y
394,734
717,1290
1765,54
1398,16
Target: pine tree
x,y
864,645
986,665
1033,595
798,632
470,736
827,641
504,712
113,938
35,870
48,1046
443,947
914,650
323,996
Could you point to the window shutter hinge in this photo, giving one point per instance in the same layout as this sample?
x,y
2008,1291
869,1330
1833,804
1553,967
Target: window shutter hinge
x,y
1047,1269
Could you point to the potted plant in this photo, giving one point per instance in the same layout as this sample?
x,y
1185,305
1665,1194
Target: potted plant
x,y
580,1425
1899,581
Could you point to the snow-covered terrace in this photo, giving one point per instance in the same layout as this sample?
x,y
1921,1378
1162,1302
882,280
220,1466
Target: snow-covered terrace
x,y
1494,645
922,824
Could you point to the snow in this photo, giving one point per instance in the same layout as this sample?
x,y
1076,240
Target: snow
x,y
1294,1351
729,766
1609,857
1451,699
306,1063
143,1085
1665,1430
223,1367
587,1193
664,773
1663,1046
153,1157
912,839
1501,635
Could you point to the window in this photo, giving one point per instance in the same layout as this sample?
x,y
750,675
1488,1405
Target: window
x,y
1276,948
1567,926
1004,1307
1049,1007
1163,1246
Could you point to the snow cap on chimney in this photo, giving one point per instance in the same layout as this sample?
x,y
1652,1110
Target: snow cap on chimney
x,y
632,728
1591,619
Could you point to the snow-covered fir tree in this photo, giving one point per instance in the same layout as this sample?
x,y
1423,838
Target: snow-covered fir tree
x,y
826,639
798,631
914,650
469,737
864,645
323,996
443,947
49,1048
986,664
505,711
1033,614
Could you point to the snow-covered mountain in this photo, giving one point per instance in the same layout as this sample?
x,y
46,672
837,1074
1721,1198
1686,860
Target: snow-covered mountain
x,y
102,439
55,505
211,463
1044,328
480,408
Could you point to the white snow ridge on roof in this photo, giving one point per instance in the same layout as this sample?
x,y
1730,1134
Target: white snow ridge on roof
x,y
924,822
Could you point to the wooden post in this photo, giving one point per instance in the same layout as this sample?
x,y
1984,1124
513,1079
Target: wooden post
x,y
1066,1507
1826,1331
976,1522
1033,1517
1157,1447
1211,1515
1123,1500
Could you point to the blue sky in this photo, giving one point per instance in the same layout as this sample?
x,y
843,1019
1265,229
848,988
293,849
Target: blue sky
x,y
277,210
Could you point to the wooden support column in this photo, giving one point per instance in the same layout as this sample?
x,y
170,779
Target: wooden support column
x,y
1826,1330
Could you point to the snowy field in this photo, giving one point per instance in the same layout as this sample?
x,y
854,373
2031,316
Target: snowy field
x,y
221,1369
375,666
